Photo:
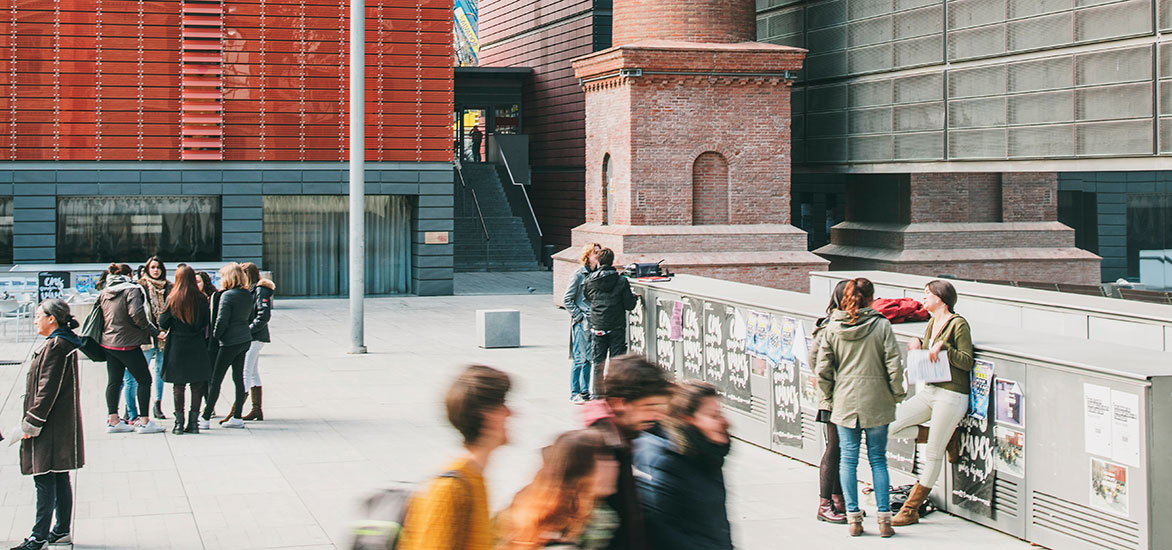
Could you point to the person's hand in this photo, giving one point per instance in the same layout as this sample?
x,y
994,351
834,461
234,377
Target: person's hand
x,y
914,343
934,353
25,436
162,336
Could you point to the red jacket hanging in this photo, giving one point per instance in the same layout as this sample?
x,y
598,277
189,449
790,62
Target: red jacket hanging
x,y
901,310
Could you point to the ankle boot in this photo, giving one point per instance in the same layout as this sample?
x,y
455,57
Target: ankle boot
x,y
235,411
192,425
910,512
922,435
827,513
885,529
257,400
178,429
854,522
158,412
839,504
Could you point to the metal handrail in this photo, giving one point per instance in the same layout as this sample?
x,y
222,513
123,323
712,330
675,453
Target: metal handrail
x,y
536,223
476,201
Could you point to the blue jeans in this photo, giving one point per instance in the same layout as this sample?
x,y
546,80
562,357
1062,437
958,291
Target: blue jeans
x,y
129,391
580,371
849,440
154,357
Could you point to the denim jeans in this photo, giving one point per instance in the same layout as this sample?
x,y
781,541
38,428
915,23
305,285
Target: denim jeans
x,y
580,371
129,391
154,357
849,440
54,494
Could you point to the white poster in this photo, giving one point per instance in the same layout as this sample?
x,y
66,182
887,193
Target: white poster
x,y
1125,440
801,350
1097,419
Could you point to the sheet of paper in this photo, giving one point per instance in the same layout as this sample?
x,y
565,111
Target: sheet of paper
x,y
1125,440
1097,419
921,368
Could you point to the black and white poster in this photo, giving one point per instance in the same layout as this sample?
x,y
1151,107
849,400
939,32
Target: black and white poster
x,y
714,357
737,392
692,340
973,473
665,348
50,284
787,417
901,455
637,326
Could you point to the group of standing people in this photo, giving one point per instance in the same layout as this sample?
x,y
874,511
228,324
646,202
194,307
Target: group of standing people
x,y
192,332
597,300
860,389
586,494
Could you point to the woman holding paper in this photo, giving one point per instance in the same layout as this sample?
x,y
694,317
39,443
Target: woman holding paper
x,y
941,405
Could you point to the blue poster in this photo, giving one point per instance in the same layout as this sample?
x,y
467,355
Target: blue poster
x,y
465,30
982,382
85,282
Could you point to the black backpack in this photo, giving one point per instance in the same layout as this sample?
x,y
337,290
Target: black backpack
x,y
384,513
91,334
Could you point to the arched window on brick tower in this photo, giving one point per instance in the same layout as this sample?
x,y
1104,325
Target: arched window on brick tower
x,y
710,190
607,190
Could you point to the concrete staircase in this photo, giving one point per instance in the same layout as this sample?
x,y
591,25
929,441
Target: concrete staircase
x,y
510,244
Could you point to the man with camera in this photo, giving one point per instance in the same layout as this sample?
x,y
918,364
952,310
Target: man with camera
x,y
610,298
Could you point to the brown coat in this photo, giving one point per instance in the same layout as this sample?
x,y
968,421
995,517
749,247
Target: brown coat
x,y
124,312
52,405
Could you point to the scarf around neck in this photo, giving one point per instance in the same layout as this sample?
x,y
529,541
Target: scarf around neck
x,y
155,289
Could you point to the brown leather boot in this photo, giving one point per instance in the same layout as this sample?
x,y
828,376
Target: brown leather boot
x,y
910,512
922,435
885,529
854,522
257,399
953,448
235,410
827,513
839,504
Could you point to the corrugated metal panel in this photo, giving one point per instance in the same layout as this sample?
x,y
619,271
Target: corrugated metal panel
x,y
1041,141
1041,32
922,116
1007,496
979,42
922,146
1042,108
977,113
977,82
1116,20
977,144
875,92
1041,74
1132,137
1114,102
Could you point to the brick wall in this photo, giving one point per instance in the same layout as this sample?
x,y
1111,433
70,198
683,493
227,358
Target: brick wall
x,y
1029,196
718,21
955,197
710,190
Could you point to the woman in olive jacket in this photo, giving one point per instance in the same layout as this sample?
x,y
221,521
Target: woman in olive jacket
x,y
860,380
51,429
186,320
230,330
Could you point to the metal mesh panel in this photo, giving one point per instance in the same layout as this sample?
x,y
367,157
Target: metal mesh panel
x,y
920,51
871,31
977,82
826,14
977,144
875,92
1046,107
1132,137
924,116
926,146
1042,141
1165,135
979,42
870,148
869,59
909,4
977,113
826,124
1114,102
1110,66
1113,21
1166,98
859,9
826,150
1166,58
826,65
827,98
1041,32
1164,7
1026,8
828,39
910,24
786,23
972,13
1042,74
870,121
924,87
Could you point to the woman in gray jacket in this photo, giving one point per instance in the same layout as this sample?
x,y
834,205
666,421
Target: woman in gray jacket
x,y
579,309
860,380
123,306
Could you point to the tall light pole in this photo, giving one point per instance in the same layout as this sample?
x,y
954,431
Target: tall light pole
x,y
357,174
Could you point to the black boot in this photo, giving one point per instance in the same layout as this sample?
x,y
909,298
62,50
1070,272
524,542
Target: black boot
x,y
158,412
178,429
192,424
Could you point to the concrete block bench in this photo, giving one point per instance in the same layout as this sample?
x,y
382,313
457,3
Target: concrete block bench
x,y
498,328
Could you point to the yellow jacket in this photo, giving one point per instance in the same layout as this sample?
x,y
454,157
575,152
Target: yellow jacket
x,y
451,513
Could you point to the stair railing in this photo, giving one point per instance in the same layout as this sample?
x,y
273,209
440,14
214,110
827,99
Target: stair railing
x,y
476,201
513,180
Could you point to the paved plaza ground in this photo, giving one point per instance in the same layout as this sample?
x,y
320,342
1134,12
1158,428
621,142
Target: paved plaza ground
x,y
338,426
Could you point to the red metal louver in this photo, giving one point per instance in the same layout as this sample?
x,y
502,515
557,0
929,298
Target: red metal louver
x,y
202,80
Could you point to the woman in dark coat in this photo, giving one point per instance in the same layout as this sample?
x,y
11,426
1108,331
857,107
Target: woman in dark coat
x,y
230,329
683,491
52,439
186,320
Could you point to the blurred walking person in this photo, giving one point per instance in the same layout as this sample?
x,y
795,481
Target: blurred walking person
x,y
451,512
51,428
941,405
564,507
831,506
230,331
636,398
860,380
186,318
262,310
126,328
682,467
610,299
154,281
579,309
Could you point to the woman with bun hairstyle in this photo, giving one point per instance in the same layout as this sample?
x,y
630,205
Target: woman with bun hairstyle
x,y
186,319
942,405
860,380
122,305
52,442
230,331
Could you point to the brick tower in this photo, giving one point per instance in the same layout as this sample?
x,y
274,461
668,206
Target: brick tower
x,y
688,145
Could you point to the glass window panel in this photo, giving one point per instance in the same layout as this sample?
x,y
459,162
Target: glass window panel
x,y
5,230
132,229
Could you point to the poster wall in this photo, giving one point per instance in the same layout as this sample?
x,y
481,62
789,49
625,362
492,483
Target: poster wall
x,y
737,391
973,473
692,340
715,320
665,348
787,420
637,327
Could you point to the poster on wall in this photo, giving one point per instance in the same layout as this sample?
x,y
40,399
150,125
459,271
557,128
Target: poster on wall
x,y
787,418
738,394
901,455
1125,440
1010,402
714,334
677,320
982,383
637,326
809,385
692,341
1096,402
51,284
774,339
665,348
86,283
1010,451
973,473
1109,486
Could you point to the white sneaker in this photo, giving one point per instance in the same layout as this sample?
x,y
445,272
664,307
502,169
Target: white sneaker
x,y
234,422
149,428
204,424
120,428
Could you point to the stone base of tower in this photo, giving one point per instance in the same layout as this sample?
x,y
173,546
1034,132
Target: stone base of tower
x,y
1017,251
772,255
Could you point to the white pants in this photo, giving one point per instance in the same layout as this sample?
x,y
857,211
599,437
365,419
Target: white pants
x,y
251,369
942,410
